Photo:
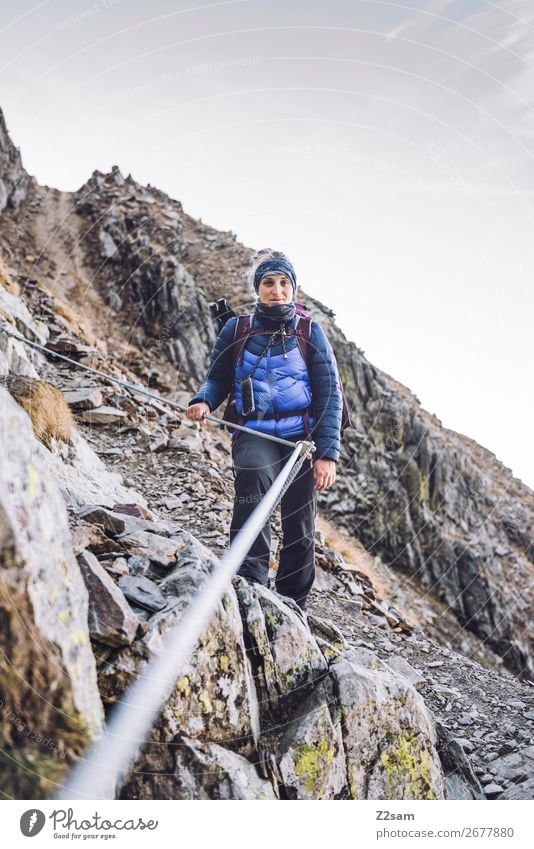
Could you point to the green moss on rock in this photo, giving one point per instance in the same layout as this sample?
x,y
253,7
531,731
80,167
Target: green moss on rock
x,y
204,700
353,781
183,685
311,763
408,765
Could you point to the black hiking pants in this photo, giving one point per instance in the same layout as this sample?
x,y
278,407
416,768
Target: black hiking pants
x,y
256,463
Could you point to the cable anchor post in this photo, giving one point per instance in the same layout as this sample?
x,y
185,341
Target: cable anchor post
x,y
307,448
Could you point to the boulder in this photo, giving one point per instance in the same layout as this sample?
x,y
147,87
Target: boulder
x,y
212,697
102,415
311,759
45,651
142,591
319,720
286,658
388,734
94,538
84,398
117,522
401,666
111,621
160,549
199,770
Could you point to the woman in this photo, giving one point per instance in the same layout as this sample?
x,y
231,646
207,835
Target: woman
x,y
290,396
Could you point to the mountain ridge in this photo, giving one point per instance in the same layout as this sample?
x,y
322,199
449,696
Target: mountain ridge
x,y
147,260
119,277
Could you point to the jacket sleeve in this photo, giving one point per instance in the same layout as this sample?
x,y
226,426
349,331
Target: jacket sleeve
x,y
327,398
218,382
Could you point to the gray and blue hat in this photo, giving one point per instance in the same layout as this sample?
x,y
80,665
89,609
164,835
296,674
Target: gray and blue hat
x,y
277,265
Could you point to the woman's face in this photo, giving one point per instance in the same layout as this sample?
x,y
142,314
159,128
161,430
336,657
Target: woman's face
x,y
275,289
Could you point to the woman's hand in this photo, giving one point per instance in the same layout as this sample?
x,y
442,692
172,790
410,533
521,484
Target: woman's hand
x,y
196,412
324,473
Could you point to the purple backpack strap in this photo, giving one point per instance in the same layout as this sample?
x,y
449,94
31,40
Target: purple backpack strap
x,y
303,332
243,329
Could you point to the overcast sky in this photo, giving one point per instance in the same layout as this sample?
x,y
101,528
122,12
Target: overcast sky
x,y
387,147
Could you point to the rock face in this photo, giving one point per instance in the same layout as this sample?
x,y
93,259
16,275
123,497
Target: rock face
x,y
140,272
321,722
13,178
435,504
47,669
15,357
80,473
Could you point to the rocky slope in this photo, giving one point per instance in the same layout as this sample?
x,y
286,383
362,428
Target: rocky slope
x,y
427,500
419,624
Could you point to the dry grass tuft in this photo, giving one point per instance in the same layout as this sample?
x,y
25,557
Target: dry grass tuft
x,y
6,281
352,551
50,414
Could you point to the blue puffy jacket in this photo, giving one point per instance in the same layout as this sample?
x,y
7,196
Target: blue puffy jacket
x,y
281,385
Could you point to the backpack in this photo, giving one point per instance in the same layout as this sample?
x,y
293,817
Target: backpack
x,y
243,331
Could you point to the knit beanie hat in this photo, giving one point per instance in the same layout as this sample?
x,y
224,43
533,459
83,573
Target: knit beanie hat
x,y
275,265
